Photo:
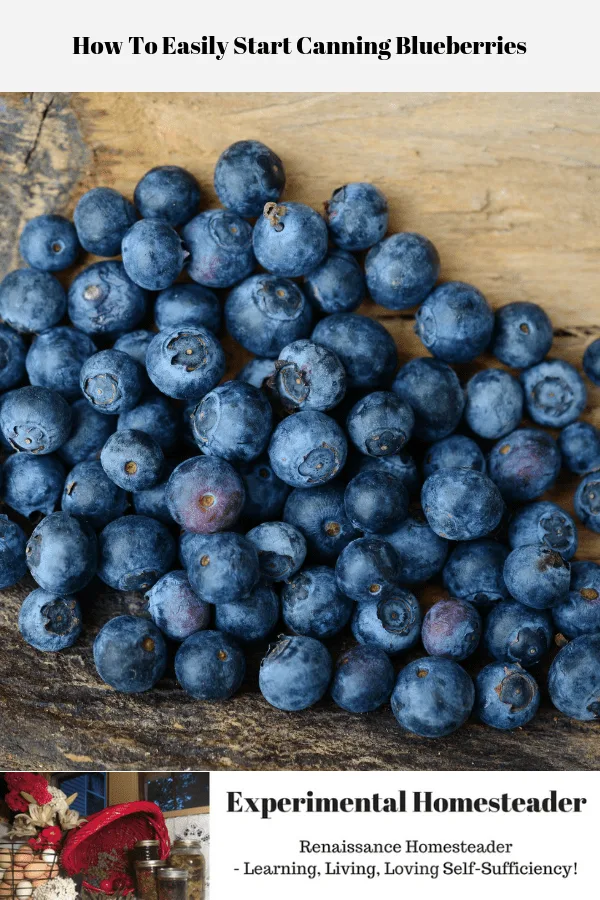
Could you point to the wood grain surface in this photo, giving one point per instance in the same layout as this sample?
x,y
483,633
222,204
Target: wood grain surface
x,y
506,185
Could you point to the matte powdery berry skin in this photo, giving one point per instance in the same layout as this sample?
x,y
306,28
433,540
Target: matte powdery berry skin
x,y
205,494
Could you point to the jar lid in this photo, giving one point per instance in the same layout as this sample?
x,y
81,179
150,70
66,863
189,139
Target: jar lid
x,y
179,874
150,863
185,843
148,844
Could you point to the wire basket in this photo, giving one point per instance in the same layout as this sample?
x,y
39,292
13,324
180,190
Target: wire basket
x,y
23,869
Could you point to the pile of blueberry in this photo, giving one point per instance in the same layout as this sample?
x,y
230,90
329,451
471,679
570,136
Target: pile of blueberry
x,y
322,486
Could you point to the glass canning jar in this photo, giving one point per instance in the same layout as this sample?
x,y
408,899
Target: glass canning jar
x,y
145,877
187,854
145,850
172,884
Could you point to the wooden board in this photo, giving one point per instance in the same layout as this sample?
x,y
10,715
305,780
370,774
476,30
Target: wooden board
x,y
507,188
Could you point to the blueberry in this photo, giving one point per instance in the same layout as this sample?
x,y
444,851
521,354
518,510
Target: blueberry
x,y
587,501
357,215
49,243
555,394
363,679
265,313
321,517
111,381
537,576
265,492
380,424
31,301
35,420
451,628
574,678
433,391
62,553
205,494
281,549
366,350
12,358
402,270
455,322
524,464
89,494
153,254
13,564
544,523
506,696
104,300
32,484
591,361
49,621
579,613
522,335
474,573
454,452
135,344
220,247
494,403
169,193
247,175
421,552
233,421
185,363
518,633
308,448
309,376
55,359
461,504
188,543
154,416
102,217
89,433
295,673
376,501
209,665
337,285
256,372
313,605
289,239
433,697
134,552
152,501
130,654
402,465
580,447
187,305
393,624
223,568
252,618
132,459
175,608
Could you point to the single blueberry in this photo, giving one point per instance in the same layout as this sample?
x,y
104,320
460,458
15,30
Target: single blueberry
x,y
55,358
380,424
252,618
454,452
281,549
555,394
494,403
455,322
433,391
357,215
393,624
474,573
580,447
111,381
421,552
13,563
574,678
307,449
309,376
220,248
104,300
132,459
522,335
169,193
366,350
134,552
544,523
461,504
376,501
135,344
402,270
205,494
89,432
12,358
185,363
101,217
337,285
223,568
518,633
591,361
321,517
130,654
506,696
31,301
247,175
49,243
32,484
187,305
587,501
153,254
363,679
537,576
155,416
451,628
295,673
62,553
433,697
313,604
209,665
49,621
89,494
175,608
265,492
35,420
289,239
524,464
233,421
579,613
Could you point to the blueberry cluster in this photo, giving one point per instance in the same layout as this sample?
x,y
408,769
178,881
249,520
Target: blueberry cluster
x,y
322,487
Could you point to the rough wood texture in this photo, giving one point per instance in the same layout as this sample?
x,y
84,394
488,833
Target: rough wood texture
x,y
505,185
